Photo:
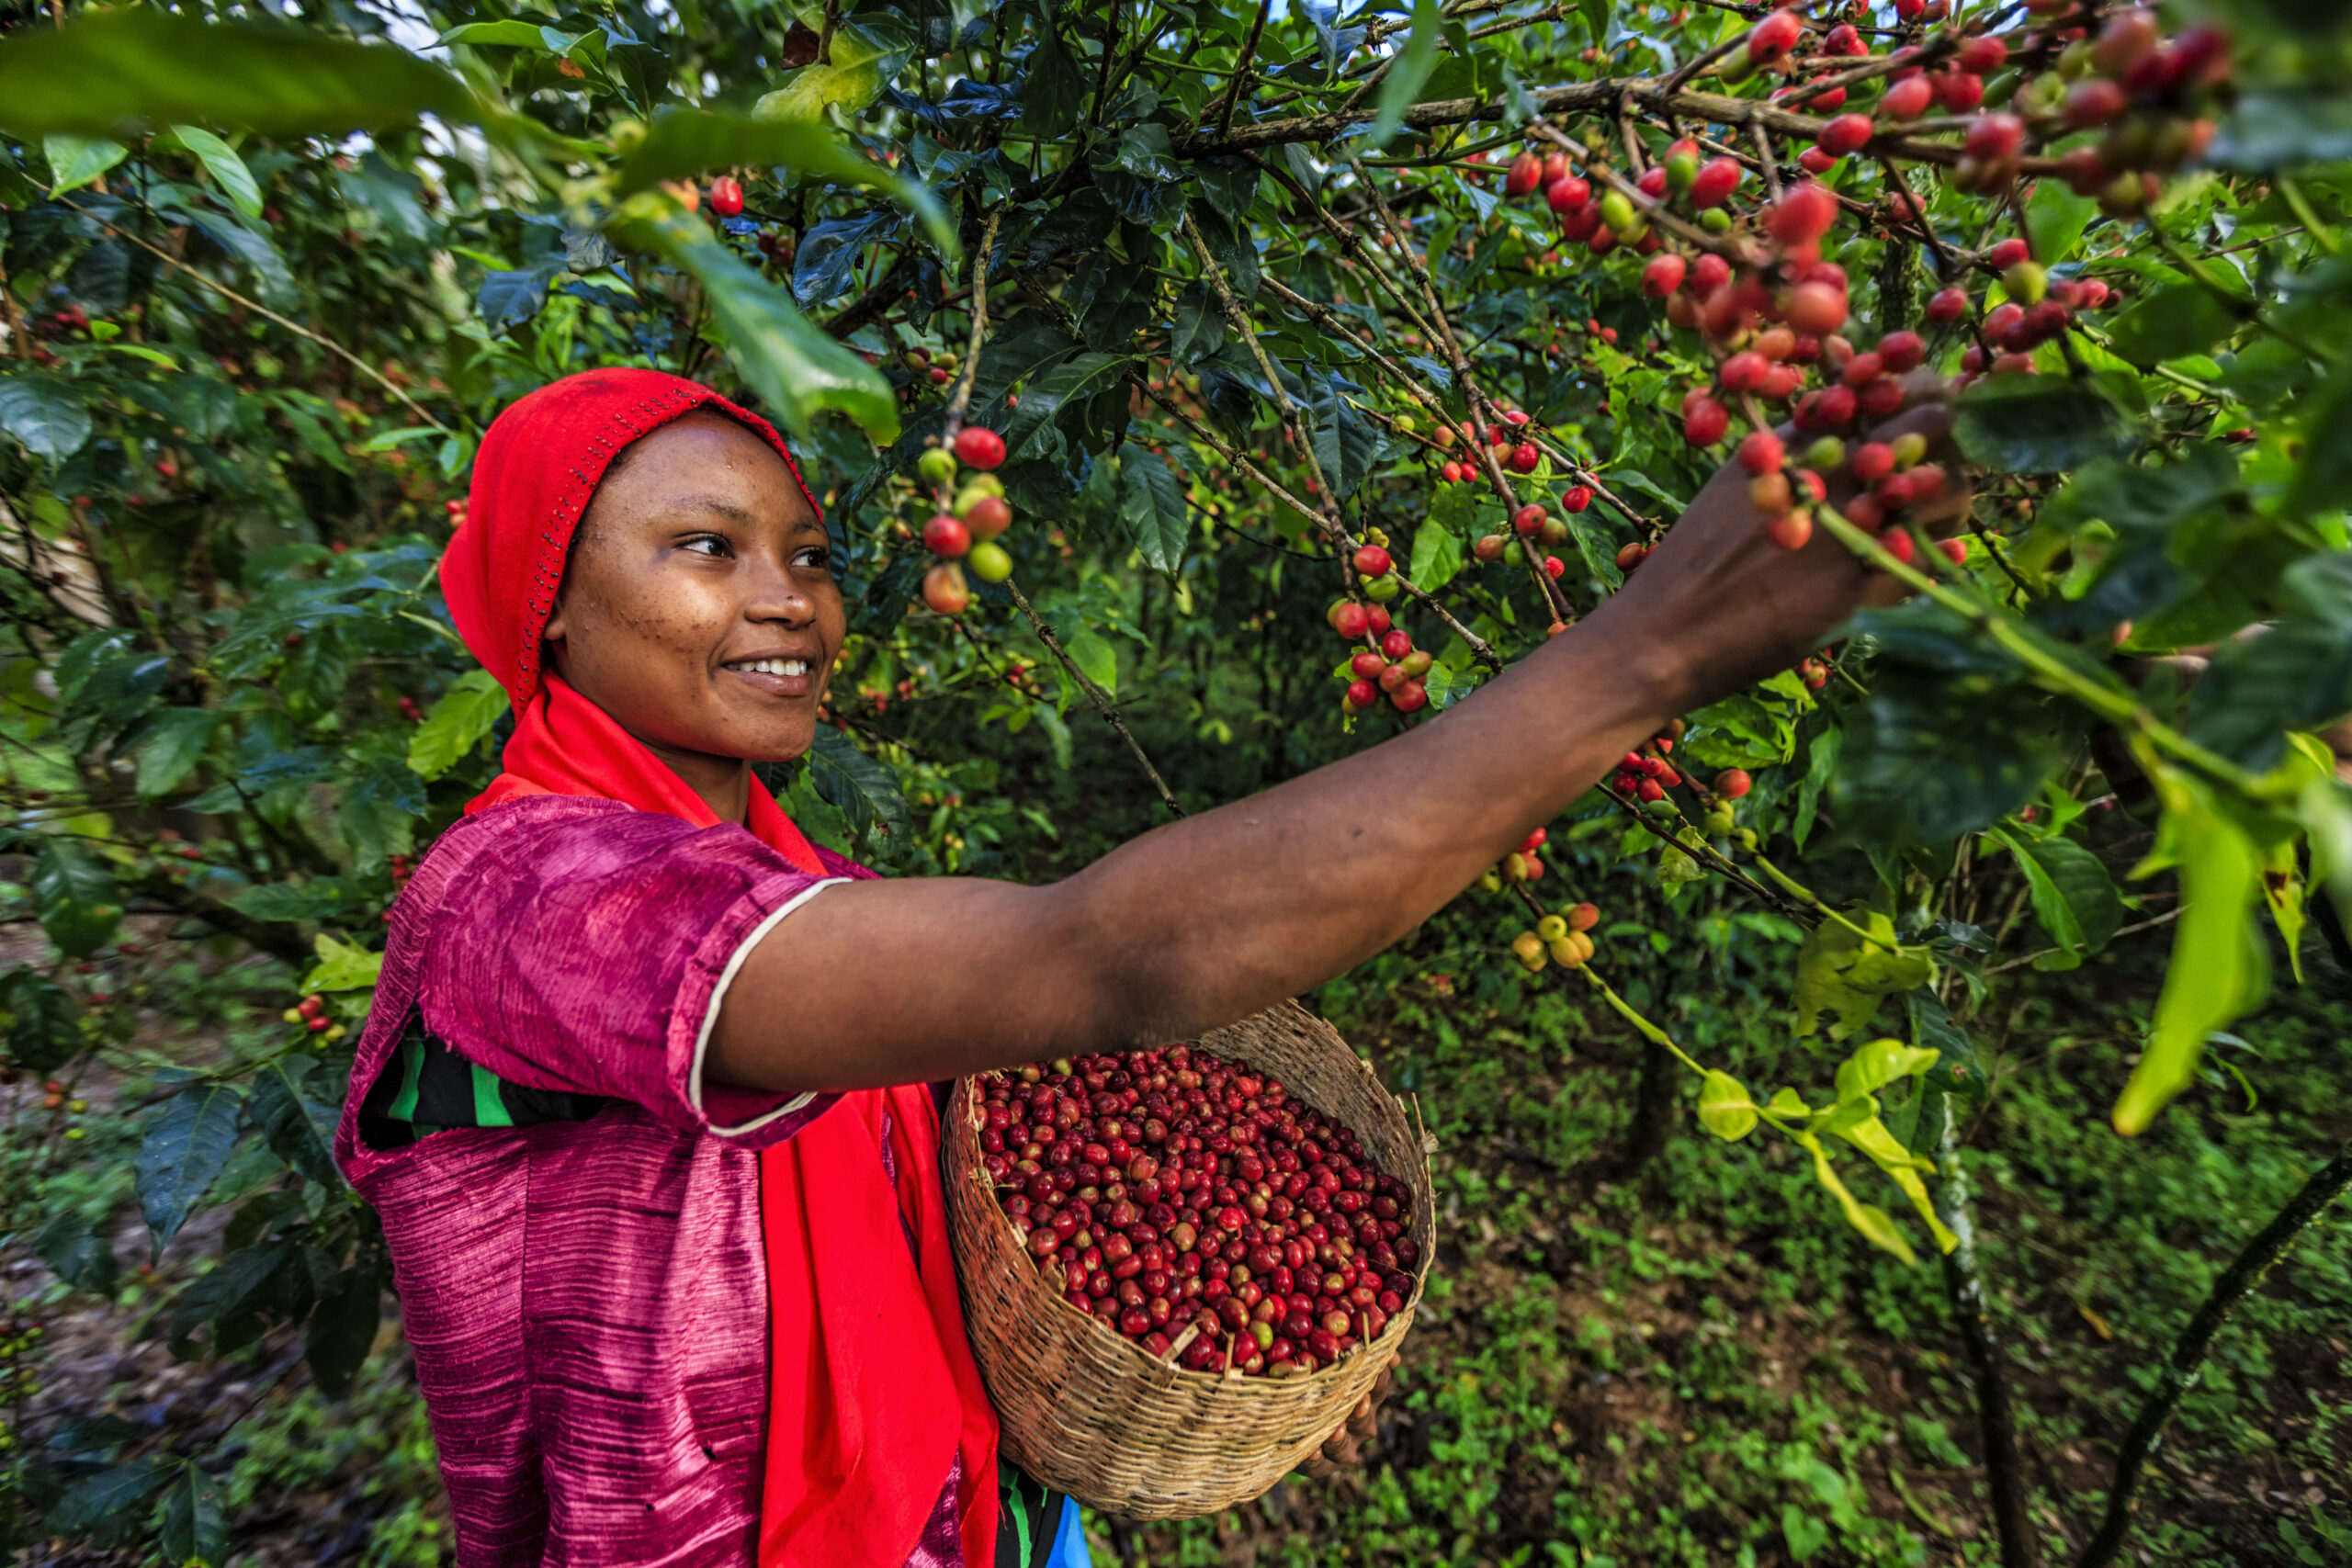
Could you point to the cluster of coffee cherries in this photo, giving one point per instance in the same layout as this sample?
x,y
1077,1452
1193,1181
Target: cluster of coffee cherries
x,y
937,369
1565,939
1533,522
1524,863
1515,452
2037,310
1193,1205
963,531
1386,664
1645,775
2149,95
310,1015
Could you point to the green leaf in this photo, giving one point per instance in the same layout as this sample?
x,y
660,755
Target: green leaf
x,y
45,412
109,1493
298,1129
1152,507
2218,968
220,161
342,1331
1408,70
2285,125
1437,555
43,1030
77,1254
184,1150
342,966
2182,320
863,60
797,371
192,1529
1877,1065
2296,675
74,896
682,142
170,746
859,787
1957,1072
2324,483
510,35
2055,217
2036,424
455,723
1724,1107
1840,972
76,160
1070,383
113,73
1875,1225
2074,898
1096,659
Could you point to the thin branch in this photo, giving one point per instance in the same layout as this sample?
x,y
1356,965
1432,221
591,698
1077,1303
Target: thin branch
x,y
2243,1276
1241,69
962,399
299,330
1094,694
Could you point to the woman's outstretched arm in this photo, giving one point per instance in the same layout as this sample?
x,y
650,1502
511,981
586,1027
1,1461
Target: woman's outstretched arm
x,y
1204,921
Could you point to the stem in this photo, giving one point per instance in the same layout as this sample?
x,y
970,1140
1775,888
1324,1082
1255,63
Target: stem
x,y
1094,694
260,309
2245,1272
1241,69
1965,1286
953,418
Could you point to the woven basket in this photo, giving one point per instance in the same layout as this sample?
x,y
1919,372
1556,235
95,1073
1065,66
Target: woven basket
x,y
1092,1413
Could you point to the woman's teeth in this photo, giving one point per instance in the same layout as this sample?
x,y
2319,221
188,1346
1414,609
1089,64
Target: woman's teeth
x,y
772,666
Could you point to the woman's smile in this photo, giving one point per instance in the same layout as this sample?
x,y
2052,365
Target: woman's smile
x,y
792,675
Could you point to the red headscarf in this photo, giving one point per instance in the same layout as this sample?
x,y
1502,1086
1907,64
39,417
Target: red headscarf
x,y
868,1355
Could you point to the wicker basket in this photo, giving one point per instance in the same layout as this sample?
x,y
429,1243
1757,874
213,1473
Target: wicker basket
x,y
1092,1413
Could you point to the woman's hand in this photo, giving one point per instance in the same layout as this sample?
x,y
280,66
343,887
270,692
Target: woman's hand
x,y
1343,1448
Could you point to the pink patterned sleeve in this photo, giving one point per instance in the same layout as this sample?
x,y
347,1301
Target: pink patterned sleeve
x,y
585,946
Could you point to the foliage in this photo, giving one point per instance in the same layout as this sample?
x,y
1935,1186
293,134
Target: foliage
x,y
265,286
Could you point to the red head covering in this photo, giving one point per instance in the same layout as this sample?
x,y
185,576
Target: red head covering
x,y
874,1395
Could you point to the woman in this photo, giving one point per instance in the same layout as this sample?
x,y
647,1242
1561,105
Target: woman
x,y
643,1100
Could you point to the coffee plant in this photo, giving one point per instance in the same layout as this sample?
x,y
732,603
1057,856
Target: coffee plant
x,y
1283,372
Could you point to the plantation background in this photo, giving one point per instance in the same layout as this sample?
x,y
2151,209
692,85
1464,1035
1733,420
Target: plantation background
x,y
244,370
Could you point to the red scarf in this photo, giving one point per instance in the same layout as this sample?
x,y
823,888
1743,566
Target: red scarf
x,y
867,1352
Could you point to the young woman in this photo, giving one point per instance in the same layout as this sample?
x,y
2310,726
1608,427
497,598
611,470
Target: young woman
x,y
645,1100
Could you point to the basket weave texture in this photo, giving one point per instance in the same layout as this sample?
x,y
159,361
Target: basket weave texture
x,y
1090,1413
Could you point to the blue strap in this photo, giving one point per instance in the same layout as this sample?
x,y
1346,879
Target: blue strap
x,y
1069,1541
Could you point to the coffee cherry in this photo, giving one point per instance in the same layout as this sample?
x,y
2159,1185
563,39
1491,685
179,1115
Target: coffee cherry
x,y
945,535
1773,37
987,516
1491,547
1409,696
1664,275
1575,498
1847,133
1714,182
1705,422
1372,561
1525,170
1526,458
1397,643
989,561
1761,453
1805,211
1954,550
1908,100
1350,619
1527,520
978,449
726,196
944,591
1790,530
1362,695
1567,194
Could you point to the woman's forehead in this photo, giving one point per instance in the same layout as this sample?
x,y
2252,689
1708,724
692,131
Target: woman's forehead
x,y
706,459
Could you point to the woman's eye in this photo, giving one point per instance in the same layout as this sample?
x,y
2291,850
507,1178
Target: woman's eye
x,y
817,557
707,544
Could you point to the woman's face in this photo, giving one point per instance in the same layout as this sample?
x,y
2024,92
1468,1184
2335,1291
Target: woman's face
x,y
699,607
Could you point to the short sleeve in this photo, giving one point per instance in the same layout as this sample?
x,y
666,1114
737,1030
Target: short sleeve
x,y
588,952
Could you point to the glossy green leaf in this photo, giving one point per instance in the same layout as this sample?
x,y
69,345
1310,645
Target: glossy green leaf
x,y
74,896
1152,507
2036,424
297,1128
863,58
114,72
2182,320
797,371
455,723
77,1253
182,1152
2218,969
2074,898
681,143
342,1331
1437,555
1878,1064
222,161
342,965
858,786
76,160
47,413
44,1033
1840,972
111,1492
170,746
1724,1107
193,1529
